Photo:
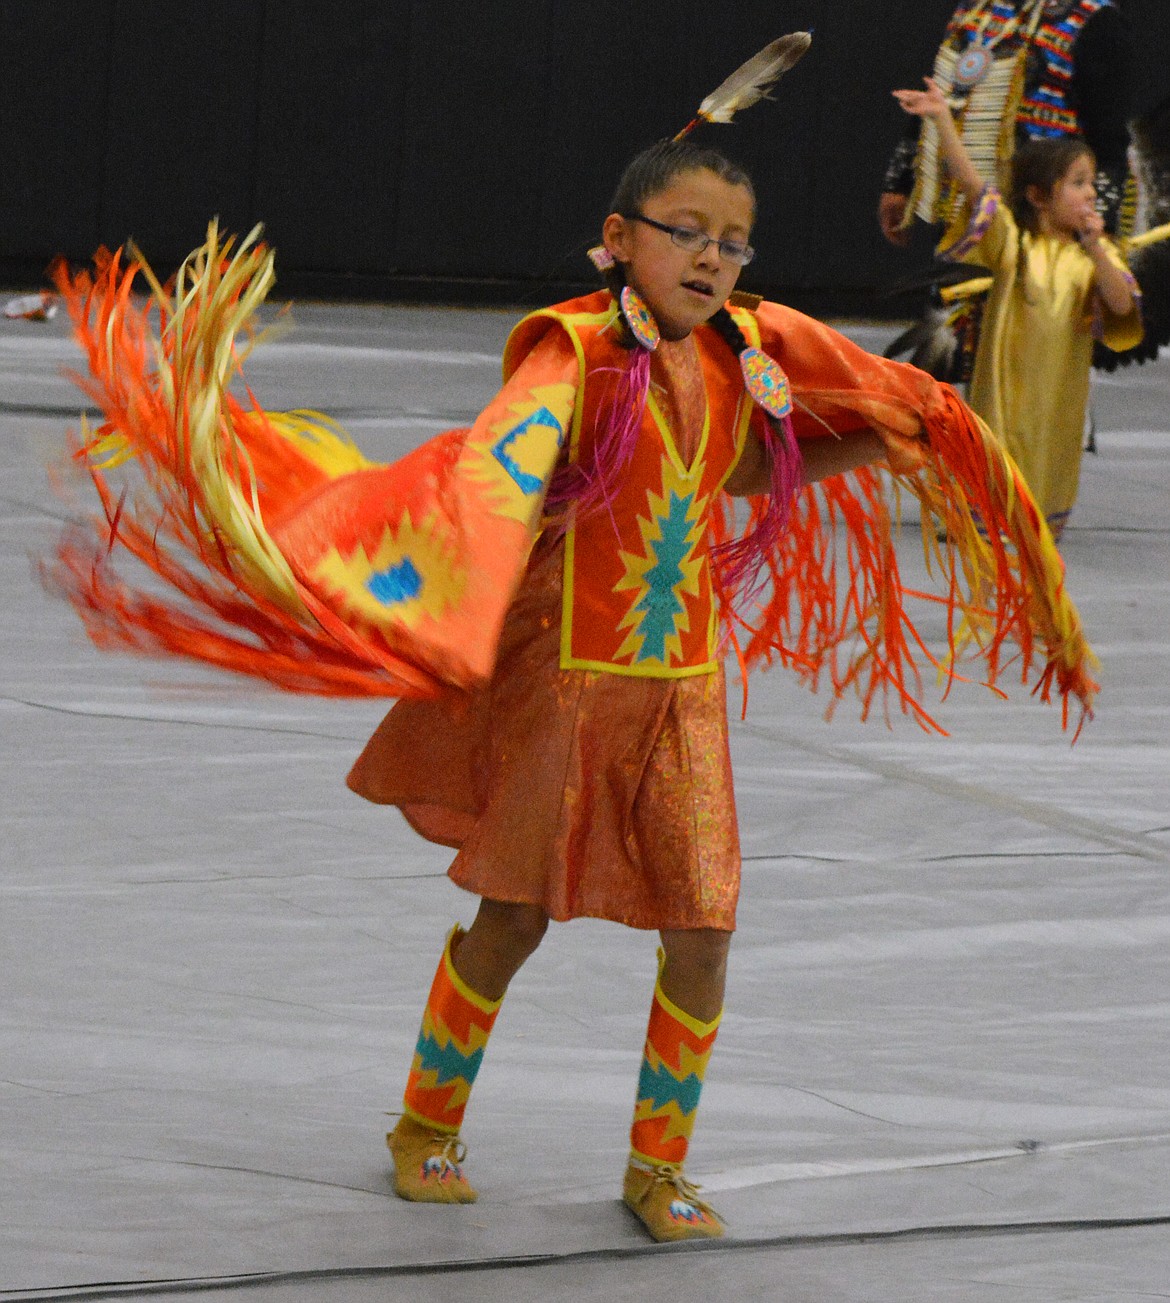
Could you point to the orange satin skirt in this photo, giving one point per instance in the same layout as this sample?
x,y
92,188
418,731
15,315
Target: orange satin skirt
x,y
589,794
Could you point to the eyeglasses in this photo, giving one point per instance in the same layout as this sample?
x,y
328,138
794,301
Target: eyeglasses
x,y
693,241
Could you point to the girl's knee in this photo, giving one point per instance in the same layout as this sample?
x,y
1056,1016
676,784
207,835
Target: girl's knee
x,y
695,972
528,925
491,951
702,951
516,928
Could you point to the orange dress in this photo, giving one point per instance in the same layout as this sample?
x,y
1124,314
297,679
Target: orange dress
x,y
585,792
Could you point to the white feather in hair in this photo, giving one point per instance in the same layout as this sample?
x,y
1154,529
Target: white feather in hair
x,y
751,81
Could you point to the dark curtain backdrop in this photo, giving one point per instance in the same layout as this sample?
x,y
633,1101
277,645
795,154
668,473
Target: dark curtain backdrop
x,y
451,151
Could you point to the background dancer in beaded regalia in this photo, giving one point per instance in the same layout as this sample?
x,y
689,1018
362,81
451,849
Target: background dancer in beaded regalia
x,y
1029,69
1015,71
1012,71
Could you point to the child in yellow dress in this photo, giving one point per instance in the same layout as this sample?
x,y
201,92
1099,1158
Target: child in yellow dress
x,y
1057,283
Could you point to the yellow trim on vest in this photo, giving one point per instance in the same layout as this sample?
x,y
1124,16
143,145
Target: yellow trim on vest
x,y
571,322
567,571
750,329
696,467
643,670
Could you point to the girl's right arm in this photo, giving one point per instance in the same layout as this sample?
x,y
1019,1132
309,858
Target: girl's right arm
x,y
931,103
820,458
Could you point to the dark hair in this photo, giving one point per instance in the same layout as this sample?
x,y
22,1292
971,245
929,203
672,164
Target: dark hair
x,y
1041,163
649,173
655,168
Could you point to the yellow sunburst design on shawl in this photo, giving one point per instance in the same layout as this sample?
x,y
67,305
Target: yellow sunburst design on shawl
x,y
513,464
411,574
666,570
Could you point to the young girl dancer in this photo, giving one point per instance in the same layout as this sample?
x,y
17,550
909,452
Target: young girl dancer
x,y
551,594
1056,284
591,776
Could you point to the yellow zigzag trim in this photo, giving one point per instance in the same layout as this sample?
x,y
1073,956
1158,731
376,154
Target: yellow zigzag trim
x,y
691,1063
678,1123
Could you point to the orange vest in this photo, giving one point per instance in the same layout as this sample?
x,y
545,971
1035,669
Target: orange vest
x,y
638,596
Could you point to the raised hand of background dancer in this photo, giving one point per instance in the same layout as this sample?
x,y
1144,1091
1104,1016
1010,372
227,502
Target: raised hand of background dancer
x,y
932,103
928,103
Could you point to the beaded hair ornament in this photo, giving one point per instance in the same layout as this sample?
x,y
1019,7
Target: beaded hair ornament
x,y
764,379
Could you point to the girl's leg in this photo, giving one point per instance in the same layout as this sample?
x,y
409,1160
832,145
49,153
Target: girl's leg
x,y
694,970
492,950
684,1018
469,986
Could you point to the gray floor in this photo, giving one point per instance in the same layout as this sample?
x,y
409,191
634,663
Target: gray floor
x,y
945,1069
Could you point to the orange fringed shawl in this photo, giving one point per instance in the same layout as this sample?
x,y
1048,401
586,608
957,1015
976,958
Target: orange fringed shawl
x,y
284,554
1001,577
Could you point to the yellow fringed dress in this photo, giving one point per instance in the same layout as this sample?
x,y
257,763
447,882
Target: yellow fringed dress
x,y
1031,378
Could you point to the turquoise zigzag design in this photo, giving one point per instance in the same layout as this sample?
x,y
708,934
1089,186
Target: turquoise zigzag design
x,y
448,1062
661,1087
661,604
